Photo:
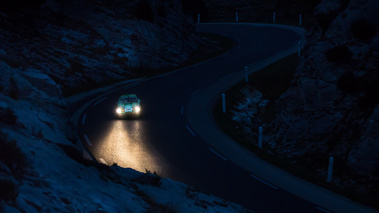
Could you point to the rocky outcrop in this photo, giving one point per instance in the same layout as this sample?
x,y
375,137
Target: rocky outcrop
x,y
247,111
363,156
42,169
81,42
331,108
66,45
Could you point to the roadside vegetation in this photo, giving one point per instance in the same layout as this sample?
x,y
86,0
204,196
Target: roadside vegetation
x,y
272,81
13,166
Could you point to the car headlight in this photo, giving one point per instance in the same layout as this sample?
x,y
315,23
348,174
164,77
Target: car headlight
x,y
118,110
137,109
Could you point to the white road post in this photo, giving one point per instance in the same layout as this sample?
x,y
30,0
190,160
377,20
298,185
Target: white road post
x,y
298,48
246,76
273,18
330,170
300,19
198,18
260,138
237,17
223,103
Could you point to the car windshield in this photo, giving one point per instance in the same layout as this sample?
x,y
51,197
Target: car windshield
x,y
128,100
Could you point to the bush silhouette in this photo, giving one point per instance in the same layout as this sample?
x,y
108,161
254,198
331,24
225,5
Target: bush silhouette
x,y
144,11
14,91
12,157
339,54
344,4
347,82
370,90
362,29
7,116
325,19
161,10
194,7
367,86
12,6
8,189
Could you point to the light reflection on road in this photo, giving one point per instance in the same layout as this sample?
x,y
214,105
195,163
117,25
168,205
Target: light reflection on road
x,y
125,145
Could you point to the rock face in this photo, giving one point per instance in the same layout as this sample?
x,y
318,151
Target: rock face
x,y
331,109
41,50
247,111
80,42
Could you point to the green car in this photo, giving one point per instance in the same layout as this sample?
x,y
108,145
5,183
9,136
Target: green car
x,y
128,105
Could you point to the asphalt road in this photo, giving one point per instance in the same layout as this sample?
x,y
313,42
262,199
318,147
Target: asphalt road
x,y
161,141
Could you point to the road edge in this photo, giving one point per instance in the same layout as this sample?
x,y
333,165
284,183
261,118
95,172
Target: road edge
x,y
200,118
85,99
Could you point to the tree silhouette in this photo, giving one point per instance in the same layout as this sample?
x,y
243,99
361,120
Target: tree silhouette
x,y
13,6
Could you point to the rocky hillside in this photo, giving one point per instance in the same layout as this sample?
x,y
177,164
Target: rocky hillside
x,y
331,107
49,45
87,42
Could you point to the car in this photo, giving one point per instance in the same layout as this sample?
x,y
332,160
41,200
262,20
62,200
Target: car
x,y
128,106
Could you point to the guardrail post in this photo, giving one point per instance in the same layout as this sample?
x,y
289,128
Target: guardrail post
x,y
223,103
273,18
236,16
260,138
198,18
330,170
300,19
246,76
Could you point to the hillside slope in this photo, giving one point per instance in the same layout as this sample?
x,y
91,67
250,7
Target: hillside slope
x,y
49,47
78,42
331,107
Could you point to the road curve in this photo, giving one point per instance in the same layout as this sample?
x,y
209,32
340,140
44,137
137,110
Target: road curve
x,y
200,119
163,141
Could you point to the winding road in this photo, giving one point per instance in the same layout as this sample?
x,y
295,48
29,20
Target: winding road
x,y
163,141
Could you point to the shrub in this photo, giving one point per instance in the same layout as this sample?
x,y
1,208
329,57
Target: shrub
x,y
144,11
75,66
12,156
39,134
344,4
13,92
370,90
362,29
7,116
347,82
339,54
161,10
194,7
324,19
8,189
72,152
366,85
76,155
150,179
11,6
